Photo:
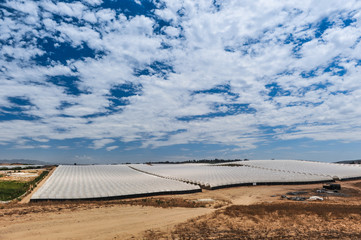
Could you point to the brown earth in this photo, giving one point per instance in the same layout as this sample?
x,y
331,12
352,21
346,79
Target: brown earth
x,y
255,212
114,222
25,175
273,221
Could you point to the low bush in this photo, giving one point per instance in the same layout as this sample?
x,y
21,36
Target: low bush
x,y
163,202
274,221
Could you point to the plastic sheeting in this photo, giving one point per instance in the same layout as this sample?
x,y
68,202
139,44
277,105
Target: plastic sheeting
x,y
214,176
105,181
341,171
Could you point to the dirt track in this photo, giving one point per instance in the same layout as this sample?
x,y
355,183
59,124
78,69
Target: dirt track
x,y
119,222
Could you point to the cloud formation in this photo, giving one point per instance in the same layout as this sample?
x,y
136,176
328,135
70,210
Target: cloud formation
x,y
162,73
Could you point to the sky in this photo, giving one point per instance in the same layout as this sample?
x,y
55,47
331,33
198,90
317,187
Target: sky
x,y
112,81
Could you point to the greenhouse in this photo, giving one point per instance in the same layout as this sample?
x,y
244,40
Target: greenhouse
x,y
133,180
107,182
334,170
9,167
215,176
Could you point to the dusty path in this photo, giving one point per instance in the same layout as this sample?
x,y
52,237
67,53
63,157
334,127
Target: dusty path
x,y
117,222
247,195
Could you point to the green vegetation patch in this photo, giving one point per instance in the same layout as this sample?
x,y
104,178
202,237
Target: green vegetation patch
x,y
12,189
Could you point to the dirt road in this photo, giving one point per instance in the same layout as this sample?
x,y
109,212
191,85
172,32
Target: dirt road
x,y
117,222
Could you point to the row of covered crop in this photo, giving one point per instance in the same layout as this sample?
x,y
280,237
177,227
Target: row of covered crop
x,y
334,170
210,176
105,181
120,181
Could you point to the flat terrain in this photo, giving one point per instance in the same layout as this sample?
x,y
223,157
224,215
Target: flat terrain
x,y
255,212
111,222
25,175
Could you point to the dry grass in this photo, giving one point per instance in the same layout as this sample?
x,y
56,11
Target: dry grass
x,y
56,206
293,210
357,185
165,202
274,221
271,221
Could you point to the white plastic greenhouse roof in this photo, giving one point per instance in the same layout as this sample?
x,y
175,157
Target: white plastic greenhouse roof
x,y
20,166
105,181
112,181
341,171
213,176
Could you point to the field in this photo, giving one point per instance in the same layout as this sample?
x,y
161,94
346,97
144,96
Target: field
x,y
12,189
15,183
248,212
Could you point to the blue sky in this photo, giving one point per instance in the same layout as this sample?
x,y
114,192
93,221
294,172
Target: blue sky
x,y
97,81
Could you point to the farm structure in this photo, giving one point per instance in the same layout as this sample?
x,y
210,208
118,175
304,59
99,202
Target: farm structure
x,y
132,180
217,176
105,182
333,170
9,167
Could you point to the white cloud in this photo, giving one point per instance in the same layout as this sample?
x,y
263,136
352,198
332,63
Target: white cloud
x,y
101,143
111,148
83,157
93,2
63,147
241,45
172,31
32,146
105,15
67,9
90,17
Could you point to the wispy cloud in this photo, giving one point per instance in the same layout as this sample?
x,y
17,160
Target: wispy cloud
x,y
111,148
101,143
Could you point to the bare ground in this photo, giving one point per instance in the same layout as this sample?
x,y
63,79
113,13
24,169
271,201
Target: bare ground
x,y
25,175
255,212
116,222
273,221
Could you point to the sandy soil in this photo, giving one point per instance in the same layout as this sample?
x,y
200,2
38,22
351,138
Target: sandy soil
x,y
248,195
114,220
118,222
